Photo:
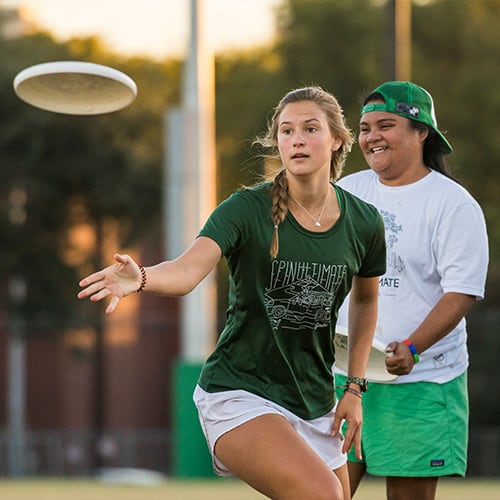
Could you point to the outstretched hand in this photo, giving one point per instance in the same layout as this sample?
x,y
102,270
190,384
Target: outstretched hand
x,y
349,410
118,281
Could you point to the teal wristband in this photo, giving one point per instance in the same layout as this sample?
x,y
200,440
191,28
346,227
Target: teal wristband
x,y
413,350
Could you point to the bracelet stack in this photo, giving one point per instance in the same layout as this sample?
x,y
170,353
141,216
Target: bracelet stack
x,y
352,391
413,350
362,382
143,278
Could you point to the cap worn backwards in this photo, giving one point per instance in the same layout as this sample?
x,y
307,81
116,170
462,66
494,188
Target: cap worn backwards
x,y
411,101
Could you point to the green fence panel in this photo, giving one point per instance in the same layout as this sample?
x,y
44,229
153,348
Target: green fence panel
x,y
191,455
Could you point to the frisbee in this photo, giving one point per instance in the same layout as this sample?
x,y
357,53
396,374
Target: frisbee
x,y
375,369
75,87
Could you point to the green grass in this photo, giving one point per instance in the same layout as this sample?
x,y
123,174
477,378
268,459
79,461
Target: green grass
x,y
213,489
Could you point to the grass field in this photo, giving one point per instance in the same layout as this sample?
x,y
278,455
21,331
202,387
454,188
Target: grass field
x,y
214,489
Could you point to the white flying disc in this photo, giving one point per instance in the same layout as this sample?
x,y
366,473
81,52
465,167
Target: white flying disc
x,y
75,87
375,369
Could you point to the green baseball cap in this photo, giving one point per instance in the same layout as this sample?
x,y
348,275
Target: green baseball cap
x,y
411,101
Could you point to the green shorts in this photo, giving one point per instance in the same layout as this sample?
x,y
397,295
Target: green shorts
x,y
414,430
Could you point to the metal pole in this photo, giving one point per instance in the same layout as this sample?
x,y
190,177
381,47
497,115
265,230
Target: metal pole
x,y
16,392
402,40
191,182
191,173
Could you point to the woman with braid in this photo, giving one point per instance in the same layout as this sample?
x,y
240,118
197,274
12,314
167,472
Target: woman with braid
x,y
295,246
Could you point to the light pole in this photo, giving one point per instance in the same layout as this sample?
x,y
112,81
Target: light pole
x,y
190,196
16,355
400,46
16,368
190,182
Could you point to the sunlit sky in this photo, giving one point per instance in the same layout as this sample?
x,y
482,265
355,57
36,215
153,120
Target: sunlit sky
x,y
156,28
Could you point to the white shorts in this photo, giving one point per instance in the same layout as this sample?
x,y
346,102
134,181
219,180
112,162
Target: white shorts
x,y
220,412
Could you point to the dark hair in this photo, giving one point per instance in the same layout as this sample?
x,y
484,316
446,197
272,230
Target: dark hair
x,y
432,153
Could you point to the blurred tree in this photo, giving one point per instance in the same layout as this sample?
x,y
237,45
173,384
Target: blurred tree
x,y
461,39
341,46
67,174
257,76
62,171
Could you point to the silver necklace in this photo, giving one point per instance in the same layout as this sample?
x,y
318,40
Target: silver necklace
x,y
317,221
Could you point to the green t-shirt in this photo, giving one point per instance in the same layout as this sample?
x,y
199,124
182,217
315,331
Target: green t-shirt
x,y
278,338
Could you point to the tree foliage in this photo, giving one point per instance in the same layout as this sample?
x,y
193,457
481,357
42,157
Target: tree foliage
x,y
62,171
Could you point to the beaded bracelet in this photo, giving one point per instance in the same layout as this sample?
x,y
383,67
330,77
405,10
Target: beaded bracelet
x,y
352,391
413,350
143,278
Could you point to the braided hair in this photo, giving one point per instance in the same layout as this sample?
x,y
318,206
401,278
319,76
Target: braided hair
x,y
338,127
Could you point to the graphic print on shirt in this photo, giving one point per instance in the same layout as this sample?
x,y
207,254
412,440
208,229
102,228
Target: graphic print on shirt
x,y
395,263
300,294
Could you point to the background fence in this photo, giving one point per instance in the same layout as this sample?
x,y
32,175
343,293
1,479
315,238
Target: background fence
x,y
71,453
67,453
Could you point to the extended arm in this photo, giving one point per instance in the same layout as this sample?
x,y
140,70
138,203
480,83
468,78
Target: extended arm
x,y
169,278
363,305
362,320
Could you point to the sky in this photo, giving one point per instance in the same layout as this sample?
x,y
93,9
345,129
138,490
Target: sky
x,y
155,28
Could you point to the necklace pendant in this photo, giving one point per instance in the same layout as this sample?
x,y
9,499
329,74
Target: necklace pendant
x,y
317,223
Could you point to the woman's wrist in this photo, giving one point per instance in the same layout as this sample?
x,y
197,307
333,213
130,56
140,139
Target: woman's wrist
x,y
144,278
353,391
361,383
413,350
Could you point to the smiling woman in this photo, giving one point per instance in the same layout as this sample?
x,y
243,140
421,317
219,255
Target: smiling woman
x,y
156,28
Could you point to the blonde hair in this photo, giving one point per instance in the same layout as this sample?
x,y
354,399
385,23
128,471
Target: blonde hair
x,y
339,129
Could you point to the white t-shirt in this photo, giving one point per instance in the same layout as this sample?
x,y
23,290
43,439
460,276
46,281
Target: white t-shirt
x,y
436,243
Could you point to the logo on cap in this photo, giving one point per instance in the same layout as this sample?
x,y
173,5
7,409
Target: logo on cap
x,y
407,109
